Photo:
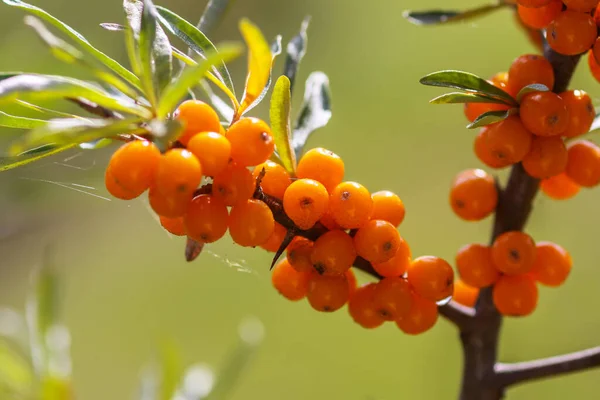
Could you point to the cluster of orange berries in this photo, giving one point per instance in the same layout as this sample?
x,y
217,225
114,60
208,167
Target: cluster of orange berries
x,y
514,264
541,135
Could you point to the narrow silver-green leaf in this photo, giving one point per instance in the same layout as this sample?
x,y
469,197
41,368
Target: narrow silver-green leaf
x,y
492,117
315,111
218,104
80,40
213,13
535,87
280,123
296,49
437,17
46,111
165,132
21,160
13,121
468,82
461,97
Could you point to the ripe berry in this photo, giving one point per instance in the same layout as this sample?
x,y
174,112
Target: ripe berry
x,y
474,110
431,278
421,317
179,173
291,284
583,165
559,187
172,206
351,205
596,47
552,264
529,69
362,307
572,33
174,226
508,141
465,294
197,117
515,295
352,282
305,201
333,253
473,195
251,141
327,293
377,241
321,165
133,166
212,150
276,239
206,219
328,221
397,265
581,112
544,113
115,189
540,17
388,207
593,66
251,223
392,298
532,3
276,179
483,152
298,254
234,184
581,5
513,253
547,157
475,266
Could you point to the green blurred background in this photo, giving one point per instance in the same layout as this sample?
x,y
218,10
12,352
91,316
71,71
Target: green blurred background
x,y
127,285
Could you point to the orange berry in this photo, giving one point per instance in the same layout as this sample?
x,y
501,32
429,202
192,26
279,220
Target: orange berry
x,y
421,317
321,165
508,141
234,184
392,298
333,253
328,221
291,284
298,254
351,205
361,307
212,150
544,113
583,165
593,66
532,3
474,110
276,239
115,189
484,153
431,277
352,282
547,157
465,294
500,80
327,293
251,223
251,141
206,219
175,226
559,187
475,266
540,17
571,33
305,201
552,264
172,206
377,241
134,165
179,173
515,295
596,47
275,181
197,117
581,5
513,253
388,207
528,69
581,112
473,195
397,265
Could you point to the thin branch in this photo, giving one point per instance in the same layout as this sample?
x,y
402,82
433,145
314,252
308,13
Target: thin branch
x,y
95,109
517,373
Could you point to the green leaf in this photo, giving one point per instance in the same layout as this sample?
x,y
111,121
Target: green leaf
x,y
190,77
46,111
315,111
16,374
491,117
12,121
73,131
80,40
460,97
164,132
196,40
296,49
280,123
535,87
468,82
437,17
218,104
8,163
49,87
213,13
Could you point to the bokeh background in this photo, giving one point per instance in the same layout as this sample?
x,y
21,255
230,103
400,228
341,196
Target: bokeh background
x,y
127,285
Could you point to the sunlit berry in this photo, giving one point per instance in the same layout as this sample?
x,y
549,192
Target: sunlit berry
x,y
323,166
547,157
581,112
398,264
473,195
305,201
475,266
197,117
327,293
559,187
134,165
333,253
251,223
362,307
431,277
528,69
175,226
206,219
275,181
234,184
508,141
276,239
388,207
571,33
179,173
377,241
392,298
251,141
421,316
515,295
212,150
583,164
465,294
351,205
298,254
544,113
552,264
513,253
291,284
